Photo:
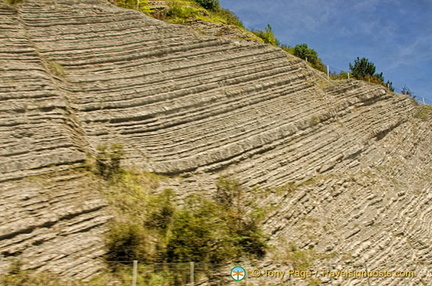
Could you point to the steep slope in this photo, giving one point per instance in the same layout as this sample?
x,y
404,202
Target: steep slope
x,y
47,213
79,74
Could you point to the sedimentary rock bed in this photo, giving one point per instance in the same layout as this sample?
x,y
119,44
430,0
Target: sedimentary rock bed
x,y
76,75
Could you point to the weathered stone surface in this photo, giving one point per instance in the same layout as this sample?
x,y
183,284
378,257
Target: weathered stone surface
x,y
79,74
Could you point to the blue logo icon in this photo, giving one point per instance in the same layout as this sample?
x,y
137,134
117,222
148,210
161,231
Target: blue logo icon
x,y
238,273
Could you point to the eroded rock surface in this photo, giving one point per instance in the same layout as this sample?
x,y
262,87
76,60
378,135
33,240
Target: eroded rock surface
x,y
79,74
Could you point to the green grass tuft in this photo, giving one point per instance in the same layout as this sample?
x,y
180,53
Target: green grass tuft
x,y
56,69
424,112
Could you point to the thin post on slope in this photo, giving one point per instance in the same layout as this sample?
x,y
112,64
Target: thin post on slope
x,y
134,272
367,272
1,270
348,76
69,281
331,278
424,101
328,72
192,273
290,277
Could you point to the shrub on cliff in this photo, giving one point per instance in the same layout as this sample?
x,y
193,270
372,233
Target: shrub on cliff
x,y
362,68
108,160
209,231
267,36
212,5
128,241
198,233
180,12
229,17
304,52
148,227
14,2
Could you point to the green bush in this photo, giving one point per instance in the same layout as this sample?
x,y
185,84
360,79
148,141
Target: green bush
x,y
212,5
201,233
304,52
243,226
56,69
424,112
14,2
229,17
127,241
108,160
250,239
228,193
149,228
267,36
162,211
362,68
142,219
178,11
216,231
27,278
192,235
287,48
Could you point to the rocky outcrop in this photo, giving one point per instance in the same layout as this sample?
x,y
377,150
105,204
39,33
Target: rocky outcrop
x,y
79,74
48,213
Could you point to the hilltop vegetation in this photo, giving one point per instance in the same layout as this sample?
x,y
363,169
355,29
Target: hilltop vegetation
x,y
185,11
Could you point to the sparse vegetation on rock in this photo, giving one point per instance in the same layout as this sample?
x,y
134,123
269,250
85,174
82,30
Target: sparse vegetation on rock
x,y
139,5
267,36
149,227
108,160
201,230
335,163
424,112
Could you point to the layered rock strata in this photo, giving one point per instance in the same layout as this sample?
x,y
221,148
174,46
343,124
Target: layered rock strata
x,y
76,75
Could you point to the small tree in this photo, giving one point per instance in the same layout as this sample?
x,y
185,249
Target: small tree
x,y
362,68
304,52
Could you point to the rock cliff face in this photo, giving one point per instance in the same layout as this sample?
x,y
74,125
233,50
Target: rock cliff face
x,y
79,74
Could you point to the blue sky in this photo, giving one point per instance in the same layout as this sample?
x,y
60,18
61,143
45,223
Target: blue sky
x,y
395,35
